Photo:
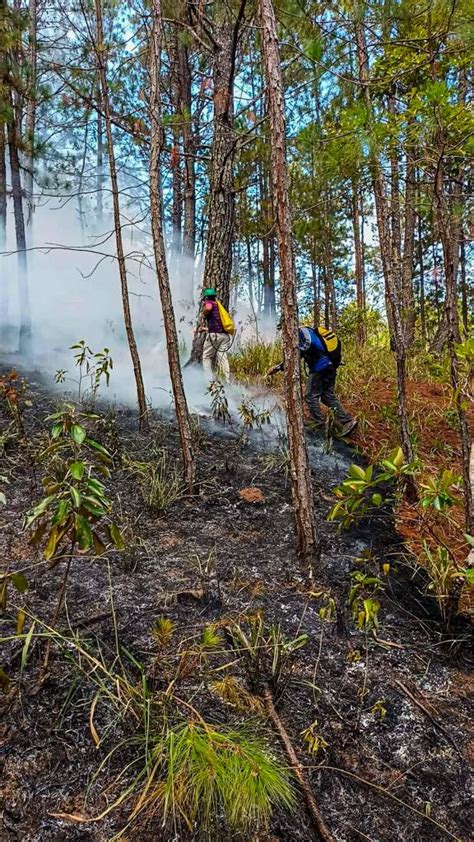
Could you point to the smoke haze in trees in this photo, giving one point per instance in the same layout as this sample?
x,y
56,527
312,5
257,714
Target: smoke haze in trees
x,y
75,294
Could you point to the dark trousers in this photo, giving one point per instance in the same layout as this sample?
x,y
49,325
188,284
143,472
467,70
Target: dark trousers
x,y
320,387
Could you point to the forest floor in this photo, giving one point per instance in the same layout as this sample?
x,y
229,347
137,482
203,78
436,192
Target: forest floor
x,y
392,709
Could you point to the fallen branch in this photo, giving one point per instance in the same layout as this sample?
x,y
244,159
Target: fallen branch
x,y
383,791
432,719
313,810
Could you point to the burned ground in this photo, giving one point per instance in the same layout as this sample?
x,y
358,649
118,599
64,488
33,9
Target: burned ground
x,y
393,708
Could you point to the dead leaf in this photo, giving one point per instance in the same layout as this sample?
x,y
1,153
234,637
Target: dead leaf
x,y
80,818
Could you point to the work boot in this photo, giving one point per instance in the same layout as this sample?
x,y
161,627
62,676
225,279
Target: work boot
x,y
349,427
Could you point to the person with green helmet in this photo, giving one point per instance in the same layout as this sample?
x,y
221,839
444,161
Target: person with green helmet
x,y
217,341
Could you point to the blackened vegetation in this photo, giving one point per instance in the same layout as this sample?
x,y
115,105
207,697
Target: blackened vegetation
x,y
391,710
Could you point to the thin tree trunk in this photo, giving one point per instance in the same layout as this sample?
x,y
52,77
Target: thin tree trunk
x,y
156,140
100,161
450,228
3,188
189,189
358,265
20,231
31,112
3,231
315,290
104,105
300,471
81,178
464,301
387,227
421,267
408,304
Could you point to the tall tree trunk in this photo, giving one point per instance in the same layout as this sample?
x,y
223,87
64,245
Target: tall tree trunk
x,y
421,266
464,295
104,106
408,304
20,231
358,264
80,185
3,187
189,189
300,471
100,160
449,220
156,140
315,291
3,228
387,227
31,112
221,204
221,200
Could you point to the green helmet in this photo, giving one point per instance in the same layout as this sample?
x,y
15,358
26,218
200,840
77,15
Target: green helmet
x,y
209,293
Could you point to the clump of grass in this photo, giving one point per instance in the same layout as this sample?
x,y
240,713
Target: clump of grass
x,y
254,358
277,461
161,481
202,772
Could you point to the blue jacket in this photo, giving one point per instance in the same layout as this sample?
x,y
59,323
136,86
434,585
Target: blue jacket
x,y
313,351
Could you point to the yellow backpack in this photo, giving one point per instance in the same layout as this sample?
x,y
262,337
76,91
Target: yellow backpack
x,y
332,344
227,321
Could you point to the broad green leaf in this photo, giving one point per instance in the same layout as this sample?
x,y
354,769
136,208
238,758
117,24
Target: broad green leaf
x,y
96,446
397,457
76,497
78,433
19,581
356,473
39,509
56,430
83,533
61,513
377,499
77,470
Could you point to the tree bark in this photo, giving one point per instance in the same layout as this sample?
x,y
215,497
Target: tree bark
x,y
103,96
100,160
449,218
156,141
20,231
388,231
189,188
31,112
221,199
3,188
358,265
421,266
300,472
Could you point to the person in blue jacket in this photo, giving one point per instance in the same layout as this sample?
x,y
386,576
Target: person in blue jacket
x,y
321,380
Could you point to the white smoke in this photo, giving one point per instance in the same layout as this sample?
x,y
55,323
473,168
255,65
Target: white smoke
x,y
75,294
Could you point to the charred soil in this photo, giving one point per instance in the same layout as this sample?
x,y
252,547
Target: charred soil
x,y
392,709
